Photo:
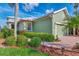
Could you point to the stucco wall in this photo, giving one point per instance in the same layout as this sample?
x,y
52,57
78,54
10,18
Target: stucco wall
x,y
59,17
20,26
43,25
58,29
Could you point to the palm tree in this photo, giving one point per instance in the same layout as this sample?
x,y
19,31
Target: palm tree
x,y
73,22
76,14
75,8
16,6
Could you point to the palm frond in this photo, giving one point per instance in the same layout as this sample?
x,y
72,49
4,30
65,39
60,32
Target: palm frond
x,y
11,4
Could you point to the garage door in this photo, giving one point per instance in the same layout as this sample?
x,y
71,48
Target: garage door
x,y
59,30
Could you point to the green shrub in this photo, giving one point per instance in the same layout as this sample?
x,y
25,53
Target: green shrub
x,y
49,38
1,35
35,42
10,41
7,32
21,40
43,36
30,34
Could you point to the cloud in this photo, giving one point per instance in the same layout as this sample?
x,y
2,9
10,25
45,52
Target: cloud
x,y
49,11
3,10
37,13
32,17
30,6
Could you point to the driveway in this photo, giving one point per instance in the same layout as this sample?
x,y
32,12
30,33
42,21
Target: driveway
x,y
65,41
70,41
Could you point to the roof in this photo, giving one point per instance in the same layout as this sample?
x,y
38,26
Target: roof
x,y
25,20
11,20
30,19
48,15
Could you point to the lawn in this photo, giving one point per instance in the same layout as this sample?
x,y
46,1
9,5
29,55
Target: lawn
x,y
20,52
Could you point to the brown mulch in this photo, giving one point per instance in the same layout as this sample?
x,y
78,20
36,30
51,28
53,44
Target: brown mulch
x,y
2,41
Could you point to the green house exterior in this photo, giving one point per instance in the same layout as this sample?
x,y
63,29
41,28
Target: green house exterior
x,y
53,23
42,25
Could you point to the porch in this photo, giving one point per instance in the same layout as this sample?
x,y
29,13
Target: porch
x,y
22,25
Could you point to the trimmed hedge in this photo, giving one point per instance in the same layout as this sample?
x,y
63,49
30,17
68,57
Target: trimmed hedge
x,y
35,42
22,40
10,41
44,36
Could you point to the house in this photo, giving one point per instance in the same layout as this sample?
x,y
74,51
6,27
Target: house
x,y
53,23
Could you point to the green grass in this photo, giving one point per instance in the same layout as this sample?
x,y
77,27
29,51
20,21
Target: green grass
x,y
20,52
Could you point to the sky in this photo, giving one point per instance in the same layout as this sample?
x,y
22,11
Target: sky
x,y
31,10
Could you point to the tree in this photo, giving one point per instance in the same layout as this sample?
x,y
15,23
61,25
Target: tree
x,y
73,23
75,8
16,6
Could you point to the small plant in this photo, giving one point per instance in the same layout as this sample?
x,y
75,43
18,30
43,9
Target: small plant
x,y
10,41
21,40
35,42
77,46
1,35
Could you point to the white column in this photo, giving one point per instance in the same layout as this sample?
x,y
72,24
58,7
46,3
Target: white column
x,y
9,25
31,27
25,25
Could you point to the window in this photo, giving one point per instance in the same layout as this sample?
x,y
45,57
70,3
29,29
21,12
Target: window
x,y
29,26
12,26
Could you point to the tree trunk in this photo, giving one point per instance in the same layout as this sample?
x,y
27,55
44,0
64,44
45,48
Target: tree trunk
x,y
78,31
74,31
15,20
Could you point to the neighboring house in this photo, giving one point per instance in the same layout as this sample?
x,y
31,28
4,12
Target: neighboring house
x,y
53,23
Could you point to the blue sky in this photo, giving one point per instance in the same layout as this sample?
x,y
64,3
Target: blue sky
x,y
32,10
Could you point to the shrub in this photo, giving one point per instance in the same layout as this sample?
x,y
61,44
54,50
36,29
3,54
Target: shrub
x,y
35,42
50,38
10,41
30,34
7,32
43,36
21,40
1,35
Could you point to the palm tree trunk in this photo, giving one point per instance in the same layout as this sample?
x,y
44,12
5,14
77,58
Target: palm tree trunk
x,y
78,31
74,31
15,20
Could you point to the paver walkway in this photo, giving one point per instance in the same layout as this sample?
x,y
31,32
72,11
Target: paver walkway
x,y
65,41
69,40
